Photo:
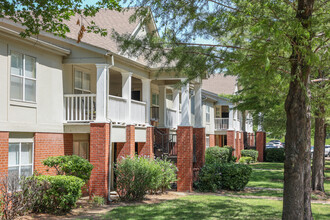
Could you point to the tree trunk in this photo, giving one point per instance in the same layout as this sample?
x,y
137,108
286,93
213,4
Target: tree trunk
x,y
297,165
318,155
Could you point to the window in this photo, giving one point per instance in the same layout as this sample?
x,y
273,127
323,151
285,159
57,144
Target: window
x,y
192,105
217,112
81,148
155,99
207,140
22,77
20,159
82,82
208,114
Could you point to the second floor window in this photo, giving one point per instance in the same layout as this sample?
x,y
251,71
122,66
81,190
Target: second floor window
x,y
82,83
208,114
22,77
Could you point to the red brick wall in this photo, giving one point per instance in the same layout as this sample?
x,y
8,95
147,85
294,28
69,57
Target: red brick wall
x,y
99,157
185,158
230,138
200,147
128,148
4,139
146,149
47,145
260,144
212,140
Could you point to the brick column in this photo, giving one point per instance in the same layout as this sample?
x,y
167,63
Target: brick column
x,y
212,140
4,146
68,144
146,149
185,158
200,147
230,138
260,144
47,145
128,148
99,157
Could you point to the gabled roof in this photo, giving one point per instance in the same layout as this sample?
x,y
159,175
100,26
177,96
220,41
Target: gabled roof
x,y
107,19
220,84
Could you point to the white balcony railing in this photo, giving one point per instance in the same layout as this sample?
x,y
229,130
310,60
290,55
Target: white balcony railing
x,y
79,108
171,119
117,108
138,112
221,124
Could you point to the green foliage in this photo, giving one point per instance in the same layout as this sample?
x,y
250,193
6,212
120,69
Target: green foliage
x,y
217,155
275,155
230,154
245,160
98,200
137,175
250,153
226,176
53,14
71,166
62,194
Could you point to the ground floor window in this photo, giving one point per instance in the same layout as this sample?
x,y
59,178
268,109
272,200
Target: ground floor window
x,y
207,141
20,159
81,148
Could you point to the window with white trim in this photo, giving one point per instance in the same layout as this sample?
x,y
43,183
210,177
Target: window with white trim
x,y
81,149
208,117
207,141
22,77
155,99
82,82
20,159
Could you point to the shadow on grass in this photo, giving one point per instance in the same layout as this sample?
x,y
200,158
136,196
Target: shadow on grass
x,y
207,207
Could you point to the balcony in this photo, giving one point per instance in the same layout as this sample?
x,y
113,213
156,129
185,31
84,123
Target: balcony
x,y
221,124
82,108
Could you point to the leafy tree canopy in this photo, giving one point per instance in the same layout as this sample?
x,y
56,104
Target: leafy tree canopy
x,y
49,16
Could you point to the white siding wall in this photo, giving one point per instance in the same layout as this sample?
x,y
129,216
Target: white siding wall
x,y
46,115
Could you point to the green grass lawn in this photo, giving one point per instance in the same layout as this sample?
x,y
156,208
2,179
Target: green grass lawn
x,y
210,207
274,178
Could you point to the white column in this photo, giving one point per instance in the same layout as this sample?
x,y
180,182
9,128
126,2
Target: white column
x,y
146,97
102,91
260,118
198,106
176,104
185,111
127,93
231,118
162,106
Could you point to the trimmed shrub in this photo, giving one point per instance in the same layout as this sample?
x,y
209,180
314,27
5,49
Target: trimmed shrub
x,y
250,153
62,194
275,155
234,176
245,160
216,155
230,154
209,178
137,175
71,166
227,176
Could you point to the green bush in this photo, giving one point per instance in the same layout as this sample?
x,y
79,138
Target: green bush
x,y
250,153
209,178
230,154
98,201
137,175
234,176
62,194
71,166
227,176
245,160
216,155
275,155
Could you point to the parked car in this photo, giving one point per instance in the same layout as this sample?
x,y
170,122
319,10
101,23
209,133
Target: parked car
x,y
277,143
326,151
270,145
